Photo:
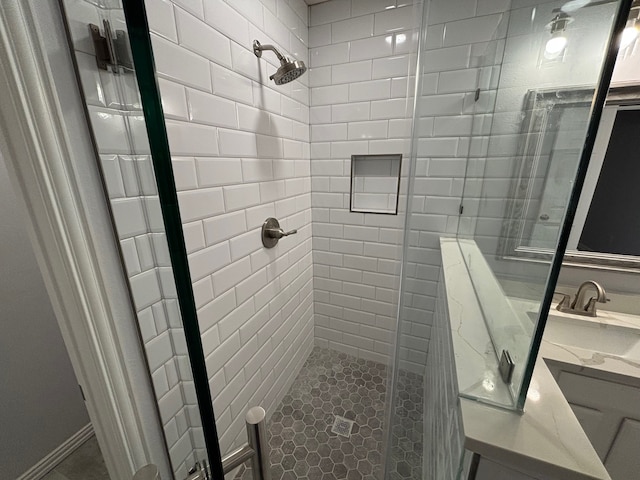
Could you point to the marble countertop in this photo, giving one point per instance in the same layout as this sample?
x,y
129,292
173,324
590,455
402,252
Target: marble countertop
x,y
472,345
546,438
623,368
616,368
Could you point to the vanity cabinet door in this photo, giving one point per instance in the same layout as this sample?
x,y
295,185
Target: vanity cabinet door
x,y
599,406
623,460
609,413
591,421
490,470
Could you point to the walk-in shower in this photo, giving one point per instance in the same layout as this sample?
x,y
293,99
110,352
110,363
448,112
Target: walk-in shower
x,y
329,329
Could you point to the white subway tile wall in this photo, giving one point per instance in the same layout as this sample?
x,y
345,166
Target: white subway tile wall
x,y
494,154
240,149
461,48
363,57
116,119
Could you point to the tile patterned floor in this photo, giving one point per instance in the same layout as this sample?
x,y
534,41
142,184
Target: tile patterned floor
x,y
86,463
407,429
334,384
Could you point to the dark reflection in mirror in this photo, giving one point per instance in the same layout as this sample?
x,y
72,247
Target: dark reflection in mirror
x,y
613,223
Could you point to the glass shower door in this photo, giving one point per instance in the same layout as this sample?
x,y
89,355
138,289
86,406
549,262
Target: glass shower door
x,y
240,153
97,33
230,149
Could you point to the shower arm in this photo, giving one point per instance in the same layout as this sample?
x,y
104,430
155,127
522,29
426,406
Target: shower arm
x,y
258,48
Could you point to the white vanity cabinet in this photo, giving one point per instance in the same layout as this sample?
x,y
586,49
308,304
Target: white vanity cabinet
x,y
489,470
609,412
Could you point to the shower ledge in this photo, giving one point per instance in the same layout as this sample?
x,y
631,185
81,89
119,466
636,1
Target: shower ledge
x,y
546,439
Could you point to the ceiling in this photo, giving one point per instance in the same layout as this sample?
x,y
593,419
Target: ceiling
x,y
313,2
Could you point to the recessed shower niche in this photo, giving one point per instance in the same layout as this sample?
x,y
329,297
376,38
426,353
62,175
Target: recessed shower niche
x,y
375,183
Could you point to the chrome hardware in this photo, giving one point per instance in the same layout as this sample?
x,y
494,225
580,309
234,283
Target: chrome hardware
x,y
237,458
111,51
565,302
506,366
271,232
578,306
200,471
148,472
258,441
257,450
289,69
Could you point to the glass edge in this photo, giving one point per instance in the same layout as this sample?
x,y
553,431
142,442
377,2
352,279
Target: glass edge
x,y
598,102
411,159
144,66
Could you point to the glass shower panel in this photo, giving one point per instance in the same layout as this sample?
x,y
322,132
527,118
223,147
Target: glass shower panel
x,y
468,140
520,175
117,123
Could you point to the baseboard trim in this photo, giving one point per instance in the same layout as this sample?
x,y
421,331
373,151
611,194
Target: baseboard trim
x,y
49,462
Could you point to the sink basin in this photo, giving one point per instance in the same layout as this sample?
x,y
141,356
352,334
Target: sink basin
x,y
591,334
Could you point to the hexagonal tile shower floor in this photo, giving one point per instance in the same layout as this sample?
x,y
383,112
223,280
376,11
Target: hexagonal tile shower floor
x,y
333,384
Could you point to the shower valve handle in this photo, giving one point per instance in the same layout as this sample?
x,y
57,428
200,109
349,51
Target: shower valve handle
x,y
271,232
279,233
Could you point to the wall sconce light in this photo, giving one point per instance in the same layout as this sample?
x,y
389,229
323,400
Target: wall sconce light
x,y
632,30
557,44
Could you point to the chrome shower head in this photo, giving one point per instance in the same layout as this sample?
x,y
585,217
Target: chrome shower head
x,y
289,70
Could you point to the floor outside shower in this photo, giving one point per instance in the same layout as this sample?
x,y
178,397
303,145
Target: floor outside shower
x,y
86,463
333,384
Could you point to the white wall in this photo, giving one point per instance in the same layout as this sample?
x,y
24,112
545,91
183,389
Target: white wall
x,y
40,404
627,70
363,57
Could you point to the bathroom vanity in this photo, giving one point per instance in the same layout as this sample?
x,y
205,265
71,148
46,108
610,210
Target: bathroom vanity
x,y
581,417
596,363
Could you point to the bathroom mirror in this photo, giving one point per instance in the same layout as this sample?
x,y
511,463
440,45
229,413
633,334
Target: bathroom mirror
x,y
605,220
375,183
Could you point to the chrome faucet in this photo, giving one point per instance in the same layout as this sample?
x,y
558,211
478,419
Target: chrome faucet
x,y
578,306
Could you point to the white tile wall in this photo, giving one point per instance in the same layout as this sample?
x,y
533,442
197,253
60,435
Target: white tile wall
x,y
493,162
358,49
115,116
462,36
240,147
443,459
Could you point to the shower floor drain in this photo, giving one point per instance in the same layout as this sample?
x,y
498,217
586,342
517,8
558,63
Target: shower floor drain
x,y
342,426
